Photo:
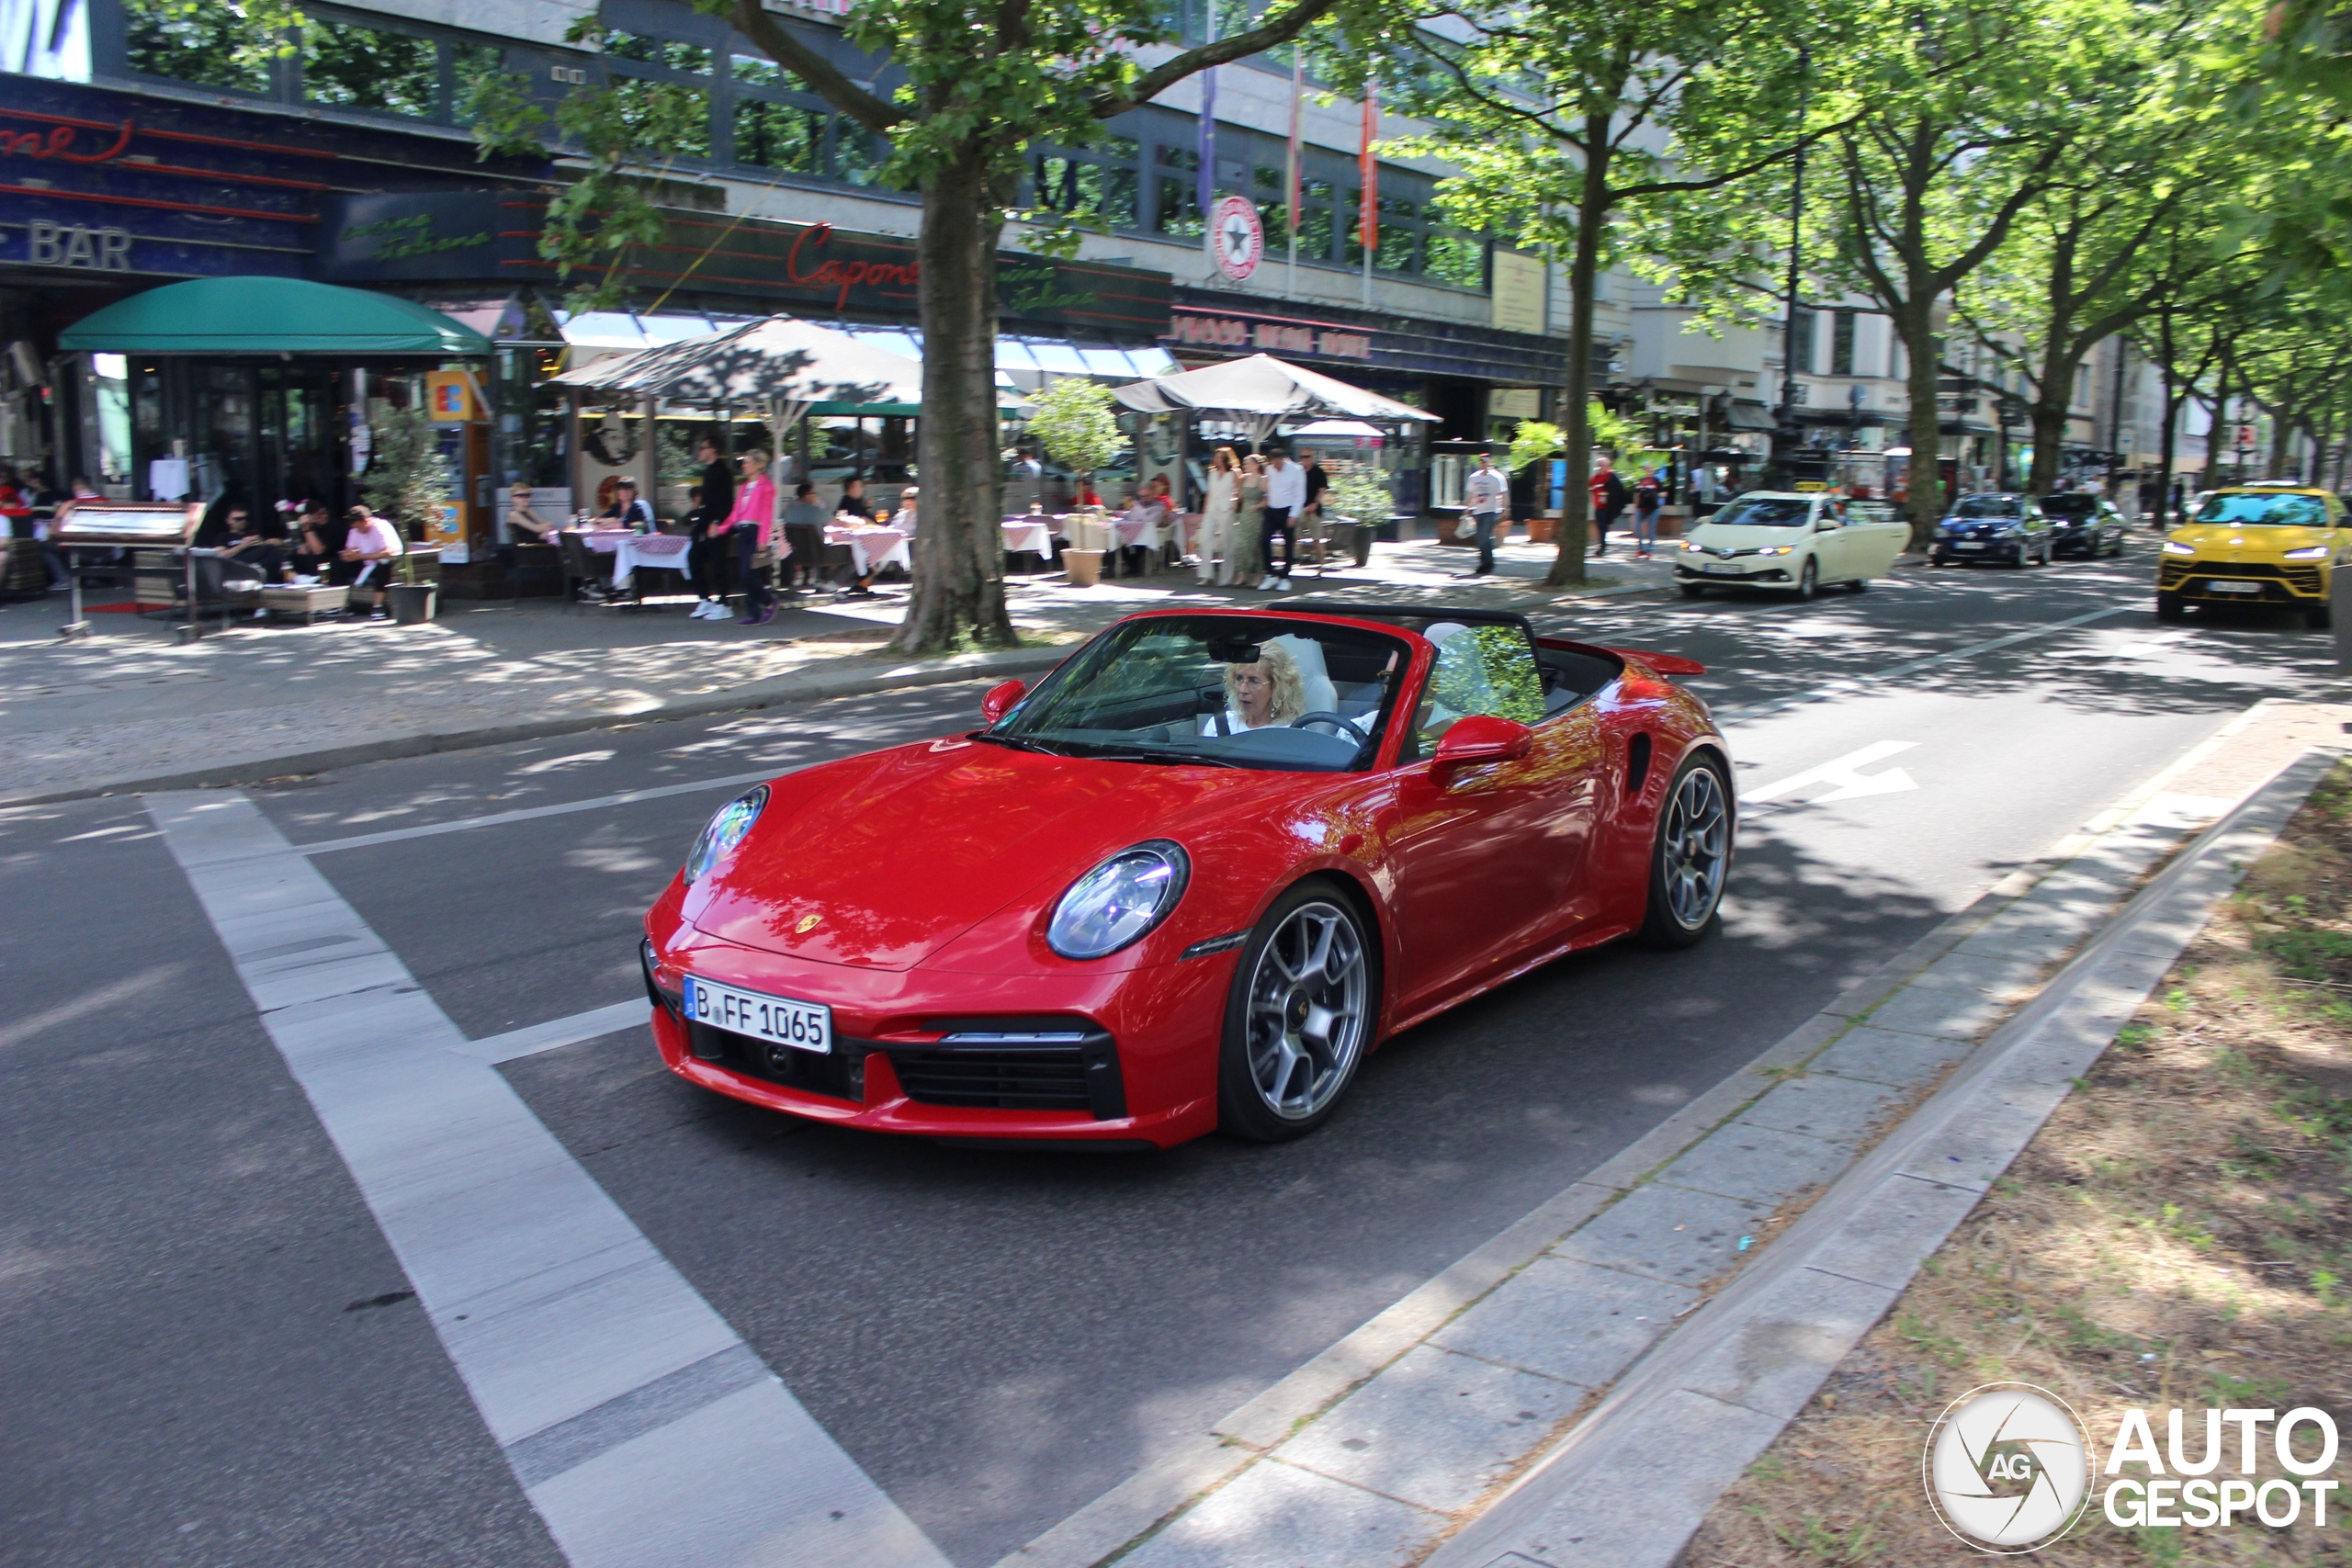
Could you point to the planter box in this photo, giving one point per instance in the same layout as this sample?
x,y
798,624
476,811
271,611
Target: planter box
x,y
413,602
291,602
1543,530
1084,566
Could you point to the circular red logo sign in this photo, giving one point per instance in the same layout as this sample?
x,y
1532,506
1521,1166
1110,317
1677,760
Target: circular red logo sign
x,y
1237,237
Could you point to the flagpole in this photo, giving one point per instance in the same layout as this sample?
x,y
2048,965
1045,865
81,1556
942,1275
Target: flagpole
x,y
1207,185
1368,215
1297,84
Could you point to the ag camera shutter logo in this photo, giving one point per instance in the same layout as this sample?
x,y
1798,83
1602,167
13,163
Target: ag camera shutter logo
x,y
2008,1468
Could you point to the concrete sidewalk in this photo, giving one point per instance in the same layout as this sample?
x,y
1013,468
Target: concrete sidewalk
x,y
131,707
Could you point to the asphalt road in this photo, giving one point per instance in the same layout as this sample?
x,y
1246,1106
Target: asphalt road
x,y
206,1355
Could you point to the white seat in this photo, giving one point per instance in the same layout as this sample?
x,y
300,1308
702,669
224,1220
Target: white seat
x,y
1307,654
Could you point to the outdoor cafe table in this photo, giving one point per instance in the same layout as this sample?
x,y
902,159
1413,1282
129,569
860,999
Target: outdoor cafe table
x,y
1031,534
870,549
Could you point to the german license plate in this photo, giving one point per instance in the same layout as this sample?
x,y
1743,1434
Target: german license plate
x,y
2219,586
1968,546
1712,569
780,1020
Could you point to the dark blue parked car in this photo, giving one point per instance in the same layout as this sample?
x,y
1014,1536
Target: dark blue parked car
x,y
2008,529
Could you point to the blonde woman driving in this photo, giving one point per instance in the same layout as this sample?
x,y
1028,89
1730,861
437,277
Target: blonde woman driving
x,y
1265,695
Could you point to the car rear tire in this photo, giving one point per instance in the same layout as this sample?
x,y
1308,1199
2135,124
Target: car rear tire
x,y
1694,590
1691,859
1301,1014
2169,607
1808,580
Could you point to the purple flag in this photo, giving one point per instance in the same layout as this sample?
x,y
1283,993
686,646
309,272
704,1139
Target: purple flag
x,y
1208,145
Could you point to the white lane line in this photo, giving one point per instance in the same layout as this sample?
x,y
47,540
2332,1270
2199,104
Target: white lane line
x,y
555,1034
1845,772
1868,684
643,1429
532,813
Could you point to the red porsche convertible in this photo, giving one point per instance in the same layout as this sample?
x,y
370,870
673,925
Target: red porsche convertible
x,y
1191,879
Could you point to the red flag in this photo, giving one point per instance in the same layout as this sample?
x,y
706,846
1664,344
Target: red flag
x,y
1368,219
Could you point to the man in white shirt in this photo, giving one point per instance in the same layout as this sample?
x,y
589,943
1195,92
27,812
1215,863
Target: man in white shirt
x,y
369,547
1285,494
1486,495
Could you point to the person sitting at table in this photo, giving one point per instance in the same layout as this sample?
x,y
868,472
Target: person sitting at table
x,y
370,545
1266,693
15,502
804,530
1145,520
627,510
247,556
525,526
853,507
318,541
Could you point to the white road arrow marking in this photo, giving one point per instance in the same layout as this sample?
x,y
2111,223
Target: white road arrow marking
x,y
1846,773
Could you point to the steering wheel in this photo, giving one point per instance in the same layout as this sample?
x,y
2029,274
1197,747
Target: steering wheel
x,y
1339,723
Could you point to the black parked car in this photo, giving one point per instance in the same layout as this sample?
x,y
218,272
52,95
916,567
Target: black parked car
x,y
2010,529
2084,524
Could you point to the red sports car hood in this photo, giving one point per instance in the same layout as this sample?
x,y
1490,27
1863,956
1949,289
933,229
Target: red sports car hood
x,y
881,861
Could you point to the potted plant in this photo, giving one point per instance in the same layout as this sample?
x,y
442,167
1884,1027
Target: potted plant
x,y
408,482
1360,502
1536,442
1077,424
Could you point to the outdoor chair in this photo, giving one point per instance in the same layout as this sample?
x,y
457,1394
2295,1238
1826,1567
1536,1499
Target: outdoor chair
x,y
580,566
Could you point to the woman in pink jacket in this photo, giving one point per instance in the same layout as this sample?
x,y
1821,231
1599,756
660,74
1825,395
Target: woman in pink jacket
x,y
755,508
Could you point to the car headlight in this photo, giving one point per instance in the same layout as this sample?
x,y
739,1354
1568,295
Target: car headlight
x,y
1694,547
1118,903
724,832
2309,552
2175,548
1776,549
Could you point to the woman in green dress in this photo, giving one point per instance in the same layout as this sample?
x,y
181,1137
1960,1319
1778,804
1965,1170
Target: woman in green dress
x,y
1248,522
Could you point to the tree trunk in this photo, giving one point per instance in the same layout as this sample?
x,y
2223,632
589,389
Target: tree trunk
x,y
959,552
1584,272
2050,420
1924,489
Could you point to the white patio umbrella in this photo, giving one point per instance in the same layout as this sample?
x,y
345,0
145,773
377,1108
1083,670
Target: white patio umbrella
x,y
1264,391
788,368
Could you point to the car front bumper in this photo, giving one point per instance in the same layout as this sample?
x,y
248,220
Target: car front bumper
x,y
1736,574
1143,1072
2300,584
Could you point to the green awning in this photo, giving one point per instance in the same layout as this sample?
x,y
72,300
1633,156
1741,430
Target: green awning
x,y
269,315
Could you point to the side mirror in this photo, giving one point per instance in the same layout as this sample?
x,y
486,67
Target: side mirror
x,y
1481,738
999,700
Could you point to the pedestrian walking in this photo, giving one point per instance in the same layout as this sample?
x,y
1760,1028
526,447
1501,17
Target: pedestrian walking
x,y
1220,505
1248,522
753,523
1486,495
1608,497
1649,494
1311,515
1285,495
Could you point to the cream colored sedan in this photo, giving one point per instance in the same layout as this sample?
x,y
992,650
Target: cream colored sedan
x,y
1791,542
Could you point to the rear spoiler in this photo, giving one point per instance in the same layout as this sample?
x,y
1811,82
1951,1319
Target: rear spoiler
x,y
1663,664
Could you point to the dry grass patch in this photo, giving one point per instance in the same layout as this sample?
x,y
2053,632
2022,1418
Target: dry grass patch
x,y
2180,1234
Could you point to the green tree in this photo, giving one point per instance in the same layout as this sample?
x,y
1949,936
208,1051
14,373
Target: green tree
x,y
975,83
1569,121
1077,421
406,478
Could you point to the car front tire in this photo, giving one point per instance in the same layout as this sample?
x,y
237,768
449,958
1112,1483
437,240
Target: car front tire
x,y
1302,1011
1690,857
1694,590
2169,607
2319,619
1808,580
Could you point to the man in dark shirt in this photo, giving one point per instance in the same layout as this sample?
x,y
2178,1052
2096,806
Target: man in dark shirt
x,y
717,479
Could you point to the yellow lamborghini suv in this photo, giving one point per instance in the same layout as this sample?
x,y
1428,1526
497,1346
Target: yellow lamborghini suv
x,y
2266,545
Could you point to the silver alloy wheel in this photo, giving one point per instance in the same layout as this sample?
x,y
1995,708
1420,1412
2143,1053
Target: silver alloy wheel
x,y
1306,1010
1698,832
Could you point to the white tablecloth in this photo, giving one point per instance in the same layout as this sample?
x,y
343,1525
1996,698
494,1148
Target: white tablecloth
x,y
1022,533
872,548
633,550
604,541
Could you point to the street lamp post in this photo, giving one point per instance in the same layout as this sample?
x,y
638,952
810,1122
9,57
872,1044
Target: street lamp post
x,y
1784,434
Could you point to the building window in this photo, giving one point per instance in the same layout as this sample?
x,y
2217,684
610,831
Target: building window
x,y
858,154
757,71
1841,343
1177,213
1456,258
779,136
1099,186
353,67
670,54
217,46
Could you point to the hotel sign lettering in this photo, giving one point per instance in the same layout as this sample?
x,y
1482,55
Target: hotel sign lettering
x,y
1282,337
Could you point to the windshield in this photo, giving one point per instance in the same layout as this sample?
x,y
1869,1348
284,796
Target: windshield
x,y
1233,691
1764,512
1986,506
2070,506
2280,510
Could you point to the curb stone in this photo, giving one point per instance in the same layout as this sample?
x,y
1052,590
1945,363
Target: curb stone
x,y
420,744
1141,1521
1640,1472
